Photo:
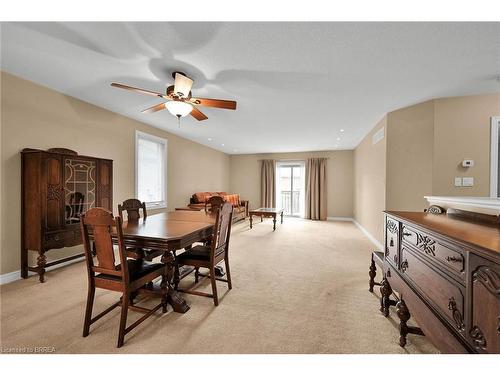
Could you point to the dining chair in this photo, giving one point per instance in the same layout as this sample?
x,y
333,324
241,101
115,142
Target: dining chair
x,y
213,203
128,277
208,256
133,209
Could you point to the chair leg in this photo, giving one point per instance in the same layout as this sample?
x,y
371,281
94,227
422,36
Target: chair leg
x,y
123,319
228,274
88,311
196,274
214,286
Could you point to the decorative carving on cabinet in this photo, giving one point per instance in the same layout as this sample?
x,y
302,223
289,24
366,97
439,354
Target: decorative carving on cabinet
x,y
478,338
454,259
457,316
392,226
54,192
437,210
489,278
426,243
59,150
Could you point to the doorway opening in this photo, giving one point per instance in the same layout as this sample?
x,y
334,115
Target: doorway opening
x,y
290,187
495,158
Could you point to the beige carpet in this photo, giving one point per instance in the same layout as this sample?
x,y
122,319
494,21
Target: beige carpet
x,y
301,289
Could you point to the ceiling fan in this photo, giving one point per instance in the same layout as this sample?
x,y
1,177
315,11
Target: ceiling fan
x,y
180,102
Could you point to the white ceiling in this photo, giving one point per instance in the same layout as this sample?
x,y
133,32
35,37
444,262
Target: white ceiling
x,y
297,84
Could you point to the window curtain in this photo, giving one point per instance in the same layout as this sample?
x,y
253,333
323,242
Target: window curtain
x,y
268,183
315,189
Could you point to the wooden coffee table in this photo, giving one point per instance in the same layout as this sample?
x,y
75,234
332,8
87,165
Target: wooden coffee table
x,y
266,212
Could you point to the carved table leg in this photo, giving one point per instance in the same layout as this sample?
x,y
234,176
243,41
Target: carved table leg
x,y
178,303
251,221
261,218
282,218
41,261
274,222
404,316
386,291
372,274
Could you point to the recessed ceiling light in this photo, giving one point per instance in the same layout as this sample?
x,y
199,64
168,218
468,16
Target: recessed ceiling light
x,y
338,138
223,144
210,139
341,130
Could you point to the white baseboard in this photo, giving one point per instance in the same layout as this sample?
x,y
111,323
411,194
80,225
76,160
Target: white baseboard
x,y
369,235
16,275
339,218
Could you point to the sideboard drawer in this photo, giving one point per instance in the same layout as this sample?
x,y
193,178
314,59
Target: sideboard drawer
x,y
443,253
446,295
392,241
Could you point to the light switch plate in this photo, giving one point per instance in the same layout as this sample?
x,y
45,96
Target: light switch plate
x,y
458,181
468,181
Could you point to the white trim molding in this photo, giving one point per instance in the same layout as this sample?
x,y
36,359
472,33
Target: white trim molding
x,y
475,204
10,277
369,235
339,218
495,132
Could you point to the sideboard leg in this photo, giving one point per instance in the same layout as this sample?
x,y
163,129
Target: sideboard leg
x,y
386,291
372,274
404,316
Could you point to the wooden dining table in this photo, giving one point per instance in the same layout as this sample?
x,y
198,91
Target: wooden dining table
x,y
169,232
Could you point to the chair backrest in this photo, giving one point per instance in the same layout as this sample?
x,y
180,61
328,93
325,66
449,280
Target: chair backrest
x,y
76,203
132,206
214,203
99,224
222,229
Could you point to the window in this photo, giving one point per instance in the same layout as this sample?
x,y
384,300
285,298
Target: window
x,y
151,169
290,187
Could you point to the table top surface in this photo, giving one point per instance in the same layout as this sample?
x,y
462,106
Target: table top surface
x,y
169,226
266,210
486,236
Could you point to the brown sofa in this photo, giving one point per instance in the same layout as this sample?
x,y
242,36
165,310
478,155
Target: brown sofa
x,y
240,207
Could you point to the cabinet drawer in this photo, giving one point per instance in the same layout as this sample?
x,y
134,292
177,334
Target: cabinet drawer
x,y
438,251
446,295
392,241
62,239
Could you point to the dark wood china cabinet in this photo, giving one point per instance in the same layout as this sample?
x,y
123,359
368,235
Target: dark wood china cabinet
x,y
58,185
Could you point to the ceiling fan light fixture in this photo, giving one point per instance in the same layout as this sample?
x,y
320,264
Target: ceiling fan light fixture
x,y
178,108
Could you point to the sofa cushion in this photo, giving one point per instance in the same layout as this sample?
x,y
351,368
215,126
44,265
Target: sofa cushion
x,y
234,199
202,197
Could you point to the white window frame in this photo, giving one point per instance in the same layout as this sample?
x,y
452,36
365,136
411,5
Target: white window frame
x,y
164,142
495,132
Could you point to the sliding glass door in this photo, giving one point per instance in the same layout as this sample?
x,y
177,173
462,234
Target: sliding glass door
x,y
290,187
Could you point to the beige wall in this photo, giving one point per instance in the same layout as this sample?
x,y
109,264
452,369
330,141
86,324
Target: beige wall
x,y
425,145
37,117
245,177
462,131
370,182
409,157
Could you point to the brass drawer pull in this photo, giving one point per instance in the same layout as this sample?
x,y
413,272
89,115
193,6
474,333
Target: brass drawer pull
x,y
454,259
406,234
404,265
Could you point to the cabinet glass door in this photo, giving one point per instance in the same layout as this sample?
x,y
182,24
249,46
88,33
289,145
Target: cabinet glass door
x,y
79,188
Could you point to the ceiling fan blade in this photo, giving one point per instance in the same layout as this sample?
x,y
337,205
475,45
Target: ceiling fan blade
x,y
217,103
155,108
197,114
131,88
182,85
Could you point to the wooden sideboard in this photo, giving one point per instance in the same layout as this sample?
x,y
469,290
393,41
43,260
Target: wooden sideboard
x,y
446,268
57,186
